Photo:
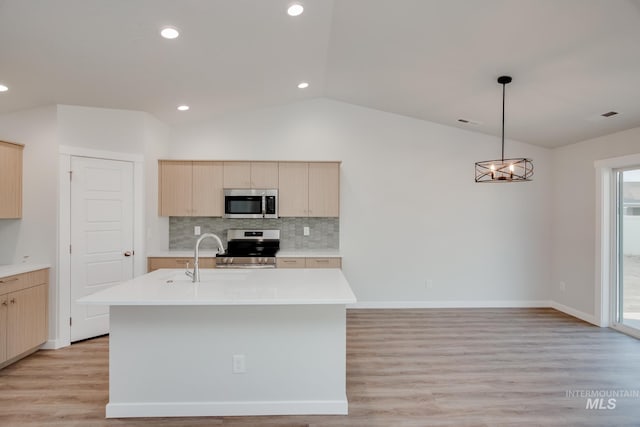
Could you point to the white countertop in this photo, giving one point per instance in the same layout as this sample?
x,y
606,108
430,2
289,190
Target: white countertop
x,y
230,287
283,253
13,269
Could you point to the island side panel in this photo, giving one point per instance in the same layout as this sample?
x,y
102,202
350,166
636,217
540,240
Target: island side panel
x,y
178,360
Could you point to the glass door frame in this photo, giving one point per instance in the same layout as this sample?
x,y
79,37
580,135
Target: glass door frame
x,y
616,309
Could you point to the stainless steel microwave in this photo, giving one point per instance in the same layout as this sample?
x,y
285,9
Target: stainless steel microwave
x,y
241,203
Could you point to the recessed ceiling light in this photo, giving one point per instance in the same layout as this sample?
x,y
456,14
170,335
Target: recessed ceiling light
x,y
295,9
303,85
3,88
183,107
170,33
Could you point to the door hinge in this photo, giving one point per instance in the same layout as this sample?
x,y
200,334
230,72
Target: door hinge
x,y
69,248
70,175
70,321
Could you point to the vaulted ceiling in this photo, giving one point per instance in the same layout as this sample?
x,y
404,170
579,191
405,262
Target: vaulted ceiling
x,y
437,60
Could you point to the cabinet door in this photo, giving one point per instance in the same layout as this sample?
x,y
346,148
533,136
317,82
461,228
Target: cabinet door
x,y
293,192
10,180
324,189
290,263
323,263
26,320
175,188
207,189
3,327
264,175
158,263
237,175
155,263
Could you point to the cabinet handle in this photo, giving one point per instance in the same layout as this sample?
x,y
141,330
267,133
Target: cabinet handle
x,y
12,301
4,303
13,279
289,260
322,260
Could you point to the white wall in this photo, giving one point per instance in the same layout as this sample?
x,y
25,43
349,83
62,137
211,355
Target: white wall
x,y
410,209
574,209
156,146
34,237
106,129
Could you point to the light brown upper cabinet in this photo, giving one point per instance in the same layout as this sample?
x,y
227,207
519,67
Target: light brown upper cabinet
x,y
207,189
263,175
190,188
309,189
293,189
324,189
10,180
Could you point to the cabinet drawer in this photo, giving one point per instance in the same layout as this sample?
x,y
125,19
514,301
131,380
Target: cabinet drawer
x,y
290,263
323,262
155,263
23,281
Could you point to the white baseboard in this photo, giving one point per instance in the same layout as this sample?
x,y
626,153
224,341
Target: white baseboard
x,y
53,345
448,304
219,409
589,318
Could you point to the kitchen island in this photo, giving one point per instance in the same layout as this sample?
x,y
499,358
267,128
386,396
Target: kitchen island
x,y
240,342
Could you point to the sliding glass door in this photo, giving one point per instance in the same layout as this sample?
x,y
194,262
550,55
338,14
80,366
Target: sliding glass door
x,y
626,298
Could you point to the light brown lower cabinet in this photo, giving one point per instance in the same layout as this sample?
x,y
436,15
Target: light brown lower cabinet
x,y
24,314
324,262
156,263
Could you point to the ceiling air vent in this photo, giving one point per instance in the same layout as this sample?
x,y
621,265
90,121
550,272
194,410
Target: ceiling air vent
x,y
468,122
609,114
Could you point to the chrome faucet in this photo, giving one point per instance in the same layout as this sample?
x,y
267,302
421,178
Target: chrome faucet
x,y
195,274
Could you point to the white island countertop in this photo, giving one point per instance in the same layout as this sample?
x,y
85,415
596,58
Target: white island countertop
x,y
230,287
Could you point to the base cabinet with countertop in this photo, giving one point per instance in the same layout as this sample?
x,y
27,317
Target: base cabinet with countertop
x,y
23,314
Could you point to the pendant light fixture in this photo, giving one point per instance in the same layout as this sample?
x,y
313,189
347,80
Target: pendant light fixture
x,y
504,170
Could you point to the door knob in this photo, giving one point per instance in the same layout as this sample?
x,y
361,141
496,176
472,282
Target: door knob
x,y
128,253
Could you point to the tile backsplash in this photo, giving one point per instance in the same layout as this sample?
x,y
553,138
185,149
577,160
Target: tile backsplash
x,y
324,233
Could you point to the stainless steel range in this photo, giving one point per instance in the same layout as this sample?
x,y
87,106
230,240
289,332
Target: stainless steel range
x,y
250,249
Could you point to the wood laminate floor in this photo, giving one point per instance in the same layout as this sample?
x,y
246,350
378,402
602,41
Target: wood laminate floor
x,y
463,367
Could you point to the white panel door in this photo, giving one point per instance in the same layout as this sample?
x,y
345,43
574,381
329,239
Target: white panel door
x,y
101,237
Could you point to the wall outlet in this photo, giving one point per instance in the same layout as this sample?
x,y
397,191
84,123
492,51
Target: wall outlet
x,y
563,286
196,230
306,231
428,284
238,364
